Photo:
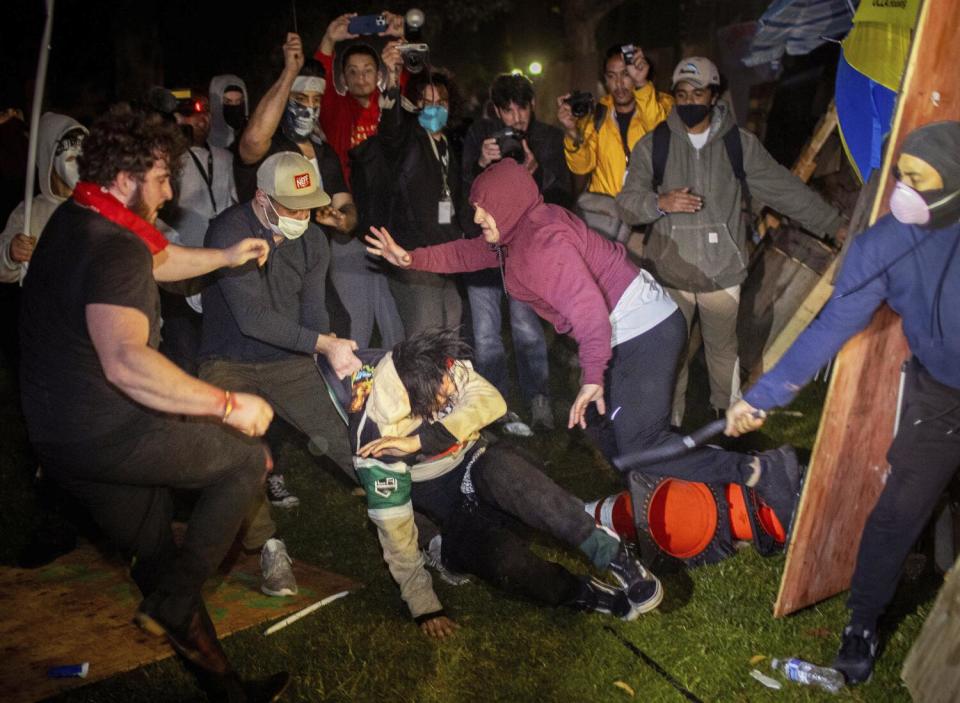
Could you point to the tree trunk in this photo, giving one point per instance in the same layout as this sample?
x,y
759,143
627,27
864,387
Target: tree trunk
x,y
580,21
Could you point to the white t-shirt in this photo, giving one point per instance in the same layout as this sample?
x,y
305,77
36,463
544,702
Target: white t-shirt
x,y
643,306
698,140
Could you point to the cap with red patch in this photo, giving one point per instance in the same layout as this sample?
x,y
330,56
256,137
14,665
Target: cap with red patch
x,y
291,180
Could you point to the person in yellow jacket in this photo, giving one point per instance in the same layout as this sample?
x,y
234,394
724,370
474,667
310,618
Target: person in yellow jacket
x,y
631,108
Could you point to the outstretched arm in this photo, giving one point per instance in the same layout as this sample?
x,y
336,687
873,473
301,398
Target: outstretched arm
x,y
177,263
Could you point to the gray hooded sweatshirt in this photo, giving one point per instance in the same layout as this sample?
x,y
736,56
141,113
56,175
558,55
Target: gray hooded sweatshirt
x,y
51,130
222,134
707,250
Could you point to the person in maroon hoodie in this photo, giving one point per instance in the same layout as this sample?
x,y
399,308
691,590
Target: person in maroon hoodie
x,y
628,330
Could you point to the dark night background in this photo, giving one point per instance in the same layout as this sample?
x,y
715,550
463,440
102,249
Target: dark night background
x,y
105,51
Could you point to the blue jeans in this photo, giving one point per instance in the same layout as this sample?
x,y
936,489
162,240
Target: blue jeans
x,y
485,292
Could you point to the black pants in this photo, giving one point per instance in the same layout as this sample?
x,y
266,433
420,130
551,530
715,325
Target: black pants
x,y
126,480
638,390
923,458
477,536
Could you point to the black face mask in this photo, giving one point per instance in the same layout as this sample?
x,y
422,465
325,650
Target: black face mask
x,y
233,116
692,115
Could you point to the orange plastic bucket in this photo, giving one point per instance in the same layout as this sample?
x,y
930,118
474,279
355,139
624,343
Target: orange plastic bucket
x,y
683,517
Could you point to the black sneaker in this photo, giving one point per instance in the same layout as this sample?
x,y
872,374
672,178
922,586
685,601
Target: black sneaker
x,y
858,652
643,589
595,596
278,494
780,482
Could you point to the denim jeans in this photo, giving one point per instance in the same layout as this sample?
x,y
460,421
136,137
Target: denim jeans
x,y
485,292
477,537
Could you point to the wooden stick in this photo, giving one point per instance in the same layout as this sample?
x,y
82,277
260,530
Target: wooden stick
x,y
290,619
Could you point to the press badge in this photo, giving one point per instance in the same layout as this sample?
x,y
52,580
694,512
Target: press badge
x,y
712,237
445,212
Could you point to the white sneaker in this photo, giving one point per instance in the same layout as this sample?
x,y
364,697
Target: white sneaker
x,y
277,569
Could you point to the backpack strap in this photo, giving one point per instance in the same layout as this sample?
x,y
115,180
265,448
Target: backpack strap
x,y
734,146
660,152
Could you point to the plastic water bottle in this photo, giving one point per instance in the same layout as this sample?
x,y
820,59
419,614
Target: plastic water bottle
x,y
809,674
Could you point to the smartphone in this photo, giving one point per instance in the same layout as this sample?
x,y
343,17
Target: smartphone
x,y
367,24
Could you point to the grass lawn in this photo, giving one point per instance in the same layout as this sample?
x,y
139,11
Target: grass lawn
x,y
364,648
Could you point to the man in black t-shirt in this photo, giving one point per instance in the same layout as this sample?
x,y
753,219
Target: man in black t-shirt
x,y
103,406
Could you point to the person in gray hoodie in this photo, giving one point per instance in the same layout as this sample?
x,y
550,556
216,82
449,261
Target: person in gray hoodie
x,y
697,242
229,109
59,140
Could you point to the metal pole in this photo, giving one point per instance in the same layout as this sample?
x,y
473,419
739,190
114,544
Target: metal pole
x,y
35,110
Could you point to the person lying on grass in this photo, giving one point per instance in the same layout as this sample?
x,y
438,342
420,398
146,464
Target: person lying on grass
x,y
415,416
629,332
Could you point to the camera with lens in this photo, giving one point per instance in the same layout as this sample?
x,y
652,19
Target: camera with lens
x,y
629,53
510,141
581,103
415,56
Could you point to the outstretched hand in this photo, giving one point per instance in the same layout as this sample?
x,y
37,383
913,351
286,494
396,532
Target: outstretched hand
x,y
247,249
589,393
382,244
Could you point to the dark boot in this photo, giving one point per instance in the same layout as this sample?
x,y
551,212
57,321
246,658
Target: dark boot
x,y
780,482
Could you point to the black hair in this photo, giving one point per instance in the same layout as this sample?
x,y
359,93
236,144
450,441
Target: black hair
x,y
511,88
439,78
423,361
125,139
617,50
363,49
311,67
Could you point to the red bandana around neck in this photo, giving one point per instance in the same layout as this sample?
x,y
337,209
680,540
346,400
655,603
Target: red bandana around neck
x,y
98,199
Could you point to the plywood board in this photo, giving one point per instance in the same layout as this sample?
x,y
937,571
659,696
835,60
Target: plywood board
x,y
848,466
80,608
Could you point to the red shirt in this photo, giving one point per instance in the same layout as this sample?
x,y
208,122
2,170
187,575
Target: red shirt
x,y
345,122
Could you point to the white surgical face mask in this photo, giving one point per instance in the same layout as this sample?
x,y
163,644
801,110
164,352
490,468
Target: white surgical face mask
x,y
289,227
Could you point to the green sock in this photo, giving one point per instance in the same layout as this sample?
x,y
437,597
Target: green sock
x,y
600,548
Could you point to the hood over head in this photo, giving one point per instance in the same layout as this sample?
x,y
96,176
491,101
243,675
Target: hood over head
x,y
508,192
52,128
222,134
938,143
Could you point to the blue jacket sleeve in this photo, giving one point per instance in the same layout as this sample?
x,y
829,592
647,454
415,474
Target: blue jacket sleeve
x,y
859,291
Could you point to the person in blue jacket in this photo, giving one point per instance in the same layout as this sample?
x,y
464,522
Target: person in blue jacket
x,y
908,259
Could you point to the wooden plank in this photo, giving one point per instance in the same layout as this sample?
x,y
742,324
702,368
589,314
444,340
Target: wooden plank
x,y
849,465
787,267
806,163
80,608
930,669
